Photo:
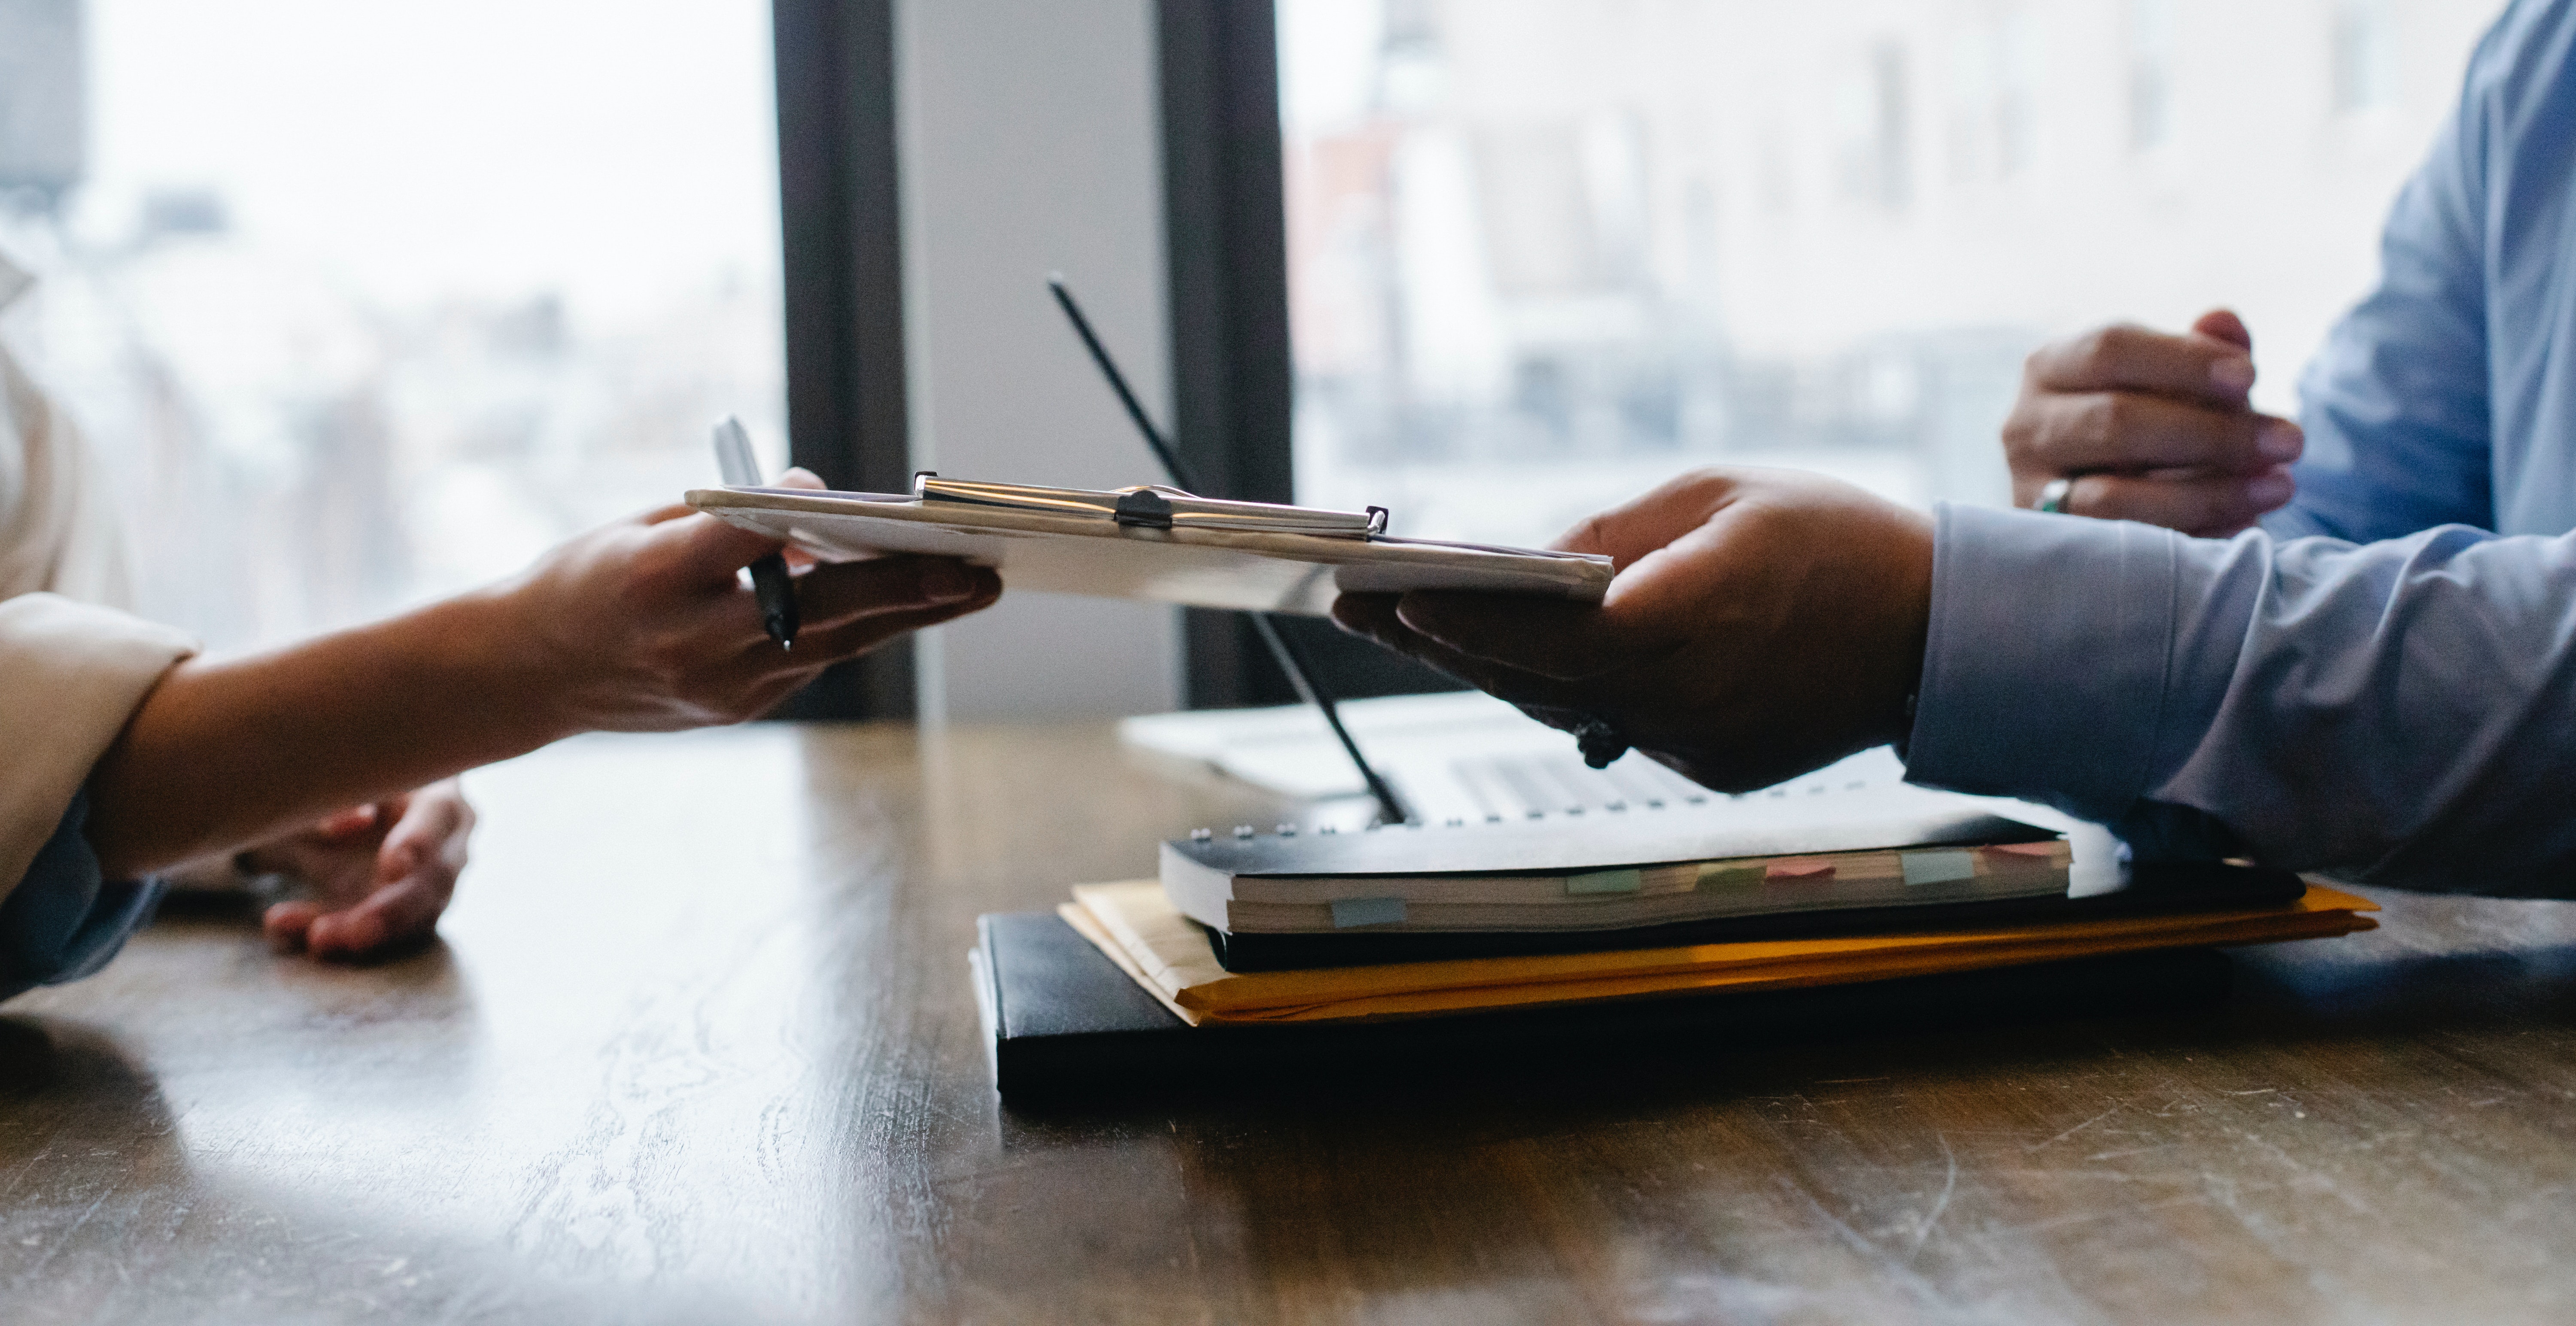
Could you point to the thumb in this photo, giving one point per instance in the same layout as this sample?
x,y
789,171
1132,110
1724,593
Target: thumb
x,y
711,549
1629,531
434,828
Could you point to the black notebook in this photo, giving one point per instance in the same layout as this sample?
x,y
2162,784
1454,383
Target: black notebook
x,y
1062,1021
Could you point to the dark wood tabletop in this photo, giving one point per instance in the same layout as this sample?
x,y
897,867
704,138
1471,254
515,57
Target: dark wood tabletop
x,y
698,1044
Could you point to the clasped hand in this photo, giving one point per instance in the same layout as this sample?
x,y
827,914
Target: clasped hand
x,y
2152,427
1761,623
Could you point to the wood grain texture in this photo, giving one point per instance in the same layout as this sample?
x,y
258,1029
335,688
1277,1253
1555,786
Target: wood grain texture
x,y
698,1045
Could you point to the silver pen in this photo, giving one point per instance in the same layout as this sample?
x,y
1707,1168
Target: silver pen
x,y
769,579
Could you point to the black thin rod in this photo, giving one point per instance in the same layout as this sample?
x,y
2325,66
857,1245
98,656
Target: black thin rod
x,y
1292,660
1181,476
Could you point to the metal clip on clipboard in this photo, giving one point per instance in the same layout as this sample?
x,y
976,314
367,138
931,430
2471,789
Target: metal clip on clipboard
x,y
1154,506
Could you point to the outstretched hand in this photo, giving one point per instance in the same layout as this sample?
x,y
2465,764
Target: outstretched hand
x,y
380,874
643,625
1761,623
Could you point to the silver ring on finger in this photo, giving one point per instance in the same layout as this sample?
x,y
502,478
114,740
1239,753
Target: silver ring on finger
x,y
2052,496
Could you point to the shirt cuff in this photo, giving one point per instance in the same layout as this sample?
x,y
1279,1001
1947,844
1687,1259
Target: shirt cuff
x,y
2045,671
64,921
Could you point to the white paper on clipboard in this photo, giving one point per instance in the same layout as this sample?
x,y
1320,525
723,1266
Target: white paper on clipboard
x,y
1259,571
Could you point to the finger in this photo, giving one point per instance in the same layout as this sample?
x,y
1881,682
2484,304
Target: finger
x,y
705,551
2126,430
829,595
2208,505
759,674
861,634
436,830
2223,325
400,913
417,868
2132,358
1551,638
346,823
287,923
1365,614
1380,622
415,871
1673,549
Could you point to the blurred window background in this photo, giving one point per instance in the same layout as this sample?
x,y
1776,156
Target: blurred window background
x,y
1545,253
366,303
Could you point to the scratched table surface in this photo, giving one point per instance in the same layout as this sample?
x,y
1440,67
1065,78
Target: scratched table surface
x,y
698,1044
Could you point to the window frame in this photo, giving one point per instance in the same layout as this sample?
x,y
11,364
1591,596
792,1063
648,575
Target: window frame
x,y
841,253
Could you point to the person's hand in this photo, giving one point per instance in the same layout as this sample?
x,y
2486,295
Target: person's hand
x,y
643,624
1762,623
379,874
2152,427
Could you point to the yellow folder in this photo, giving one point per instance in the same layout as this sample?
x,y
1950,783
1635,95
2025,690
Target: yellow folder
x,y
1167,953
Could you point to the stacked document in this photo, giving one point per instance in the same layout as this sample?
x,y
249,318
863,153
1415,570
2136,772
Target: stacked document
x,y
1170,957
1304,924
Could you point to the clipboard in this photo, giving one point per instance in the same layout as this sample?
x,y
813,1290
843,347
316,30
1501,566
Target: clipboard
x,y
1149,542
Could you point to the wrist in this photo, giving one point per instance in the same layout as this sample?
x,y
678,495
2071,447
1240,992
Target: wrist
x,y
1907,613
496,646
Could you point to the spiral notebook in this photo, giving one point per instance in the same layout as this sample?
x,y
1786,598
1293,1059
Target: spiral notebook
x,y
1621,867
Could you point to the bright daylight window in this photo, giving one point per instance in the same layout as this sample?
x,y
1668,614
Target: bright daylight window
x,y
1544,253
369,302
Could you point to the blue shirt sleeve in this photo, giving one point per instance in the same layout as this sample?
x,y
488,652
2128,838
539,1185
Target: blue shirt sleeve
x,y
2396,403
2401,712
64,921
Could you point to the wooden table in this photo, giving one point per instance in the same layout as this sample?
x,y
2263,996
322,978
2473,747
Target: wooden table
x,y
699,1046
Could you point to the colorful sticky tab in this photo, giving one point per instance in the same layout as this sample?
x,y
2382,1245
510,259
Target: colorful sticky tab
x,y
1348,912
1605,881
2044,850
1938,867
1716,875
1805,870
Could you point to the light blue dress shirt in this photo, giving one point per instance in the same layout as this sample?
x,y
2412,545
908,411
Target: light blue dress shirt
x,y
2391,697
65,920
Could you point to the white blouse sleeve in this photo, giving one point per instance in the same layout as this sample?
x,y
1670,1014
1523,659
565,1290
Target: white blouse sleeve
x,y
71,674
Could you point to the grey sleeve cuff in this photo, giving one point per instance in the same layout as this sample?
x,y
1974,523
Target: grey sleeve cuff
x,y
64,921
2045,672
